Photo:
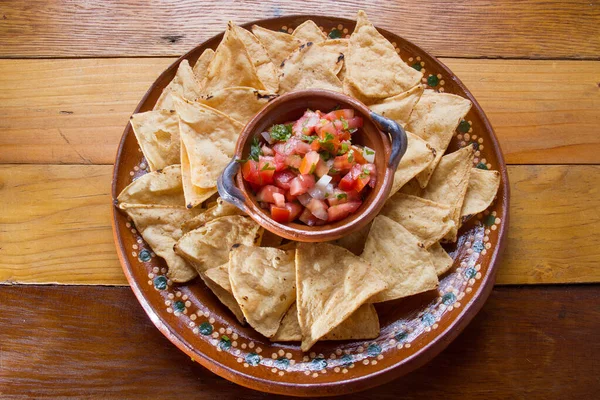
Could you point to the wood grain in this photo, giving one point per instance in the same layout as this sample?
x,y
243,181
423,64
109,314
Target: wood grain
x,y
55,225
74,111
526,343
477,28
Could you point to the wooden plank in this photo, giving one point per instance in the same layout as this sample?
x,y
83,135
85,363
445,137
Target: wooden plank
x,y
478,28
55,225
74,111
526,343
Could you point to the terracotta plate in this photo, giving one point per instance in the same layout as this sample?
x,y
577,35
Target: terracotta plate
x,y
413,330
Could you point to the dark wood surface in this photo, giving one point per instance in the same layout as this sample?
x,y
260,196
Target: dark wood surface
x,y
536,342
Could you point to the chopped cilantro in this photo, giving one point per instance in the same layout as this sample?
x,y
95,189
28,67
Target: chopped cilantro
x,y
328,137
281,132
326,195
333,171
325,155
351,156
352,130
344,123
343,149
327,146
369,151
312,168
267,167
341,196
255,151
308,139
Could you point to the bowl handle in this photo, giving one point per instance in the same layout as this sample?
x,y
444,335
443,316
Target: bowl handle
x,y
226,186
398,136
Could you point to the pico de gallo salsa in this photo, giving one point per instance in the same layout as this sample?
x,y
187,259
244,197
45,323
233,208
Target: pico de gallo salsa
x,y
309,169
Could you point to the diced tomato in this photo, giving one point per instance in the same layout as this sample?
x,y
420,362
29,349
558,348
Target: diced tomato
x,y
307,217
266,169
280,214
347,182
267,151
293,161
289,197
355,123
372,173
306,124
358,154
344,162
321,169
295,210
309,163
341,211
250,172
292,146
339,197
282,179
315,145
279,199
318,208
266,193
328,128
301,184
345,113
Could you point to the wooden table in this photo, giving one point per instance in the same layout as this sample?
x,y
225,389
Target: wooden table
x,y
71,72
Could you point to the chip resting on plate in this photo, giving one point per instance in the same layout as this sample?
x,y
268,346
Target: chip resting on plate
x,y
401,258
263,281
265,69
184,84
194,195
162,187
419,154
220,209
441,260
399,106
239,103
220,276
482,188
331,284
157,133
308,31
279,45
201,65
372,65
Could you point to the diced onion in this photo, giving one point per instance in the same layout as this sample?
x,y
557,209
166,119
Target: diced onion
x,y
316,193
304,199
323,182
369,157
267,137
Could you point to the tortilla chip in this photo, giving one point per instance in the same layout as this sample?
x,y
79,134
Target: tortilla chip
x,y
220,209
449,182
209,137
239,103
306,68
400,106
263,280
225,297
193,194
434,119
427,220
267,72
162,187
279,45
354,242
331,283
361,324
481,191
441,260
401,258
417,157
308,31
220,276
184,84
202,63
373,66
269,239
157,133
161,229
231,65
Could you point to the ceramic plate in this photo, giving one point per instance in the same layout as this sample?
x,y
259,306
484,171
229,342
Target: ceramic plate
x,y
413,330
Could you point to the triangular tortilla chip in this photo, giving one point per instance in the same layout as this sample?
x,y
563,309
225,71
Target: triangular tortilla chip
x,y
401,258
162,187
417,157
157,133
201,66
331,284
265,69
220,276
194,195
209,137
483,186
279,45
231,65
308,31
449,182
427,220
217,280
239,103
161,228
400,106
434,119
184,84
441,260
361,324
220,209
373,66
263,281
350,90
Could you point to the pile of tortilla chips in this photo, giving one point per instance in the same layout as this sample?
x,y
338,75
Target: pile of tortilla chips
x,y
302,292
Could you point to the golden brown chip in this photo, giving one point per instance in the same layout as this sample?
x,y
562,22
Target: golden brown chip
x,y
220,209
417,157
308,31
441,260
263,281
427,220
400,106
220,276
401,258
279,45
331,284
355,241
239,103
217,280
483,186
373,66
193,194
157,133
202,63
267,72
361,324
184,84
434,119
162,187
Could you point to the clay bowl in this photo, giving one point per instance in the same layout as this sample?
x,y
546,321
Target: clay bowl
x,y
376,133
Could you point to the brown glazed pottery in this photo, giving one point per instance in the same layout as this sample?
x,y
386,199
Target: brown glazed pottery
x,y
290,107
413,330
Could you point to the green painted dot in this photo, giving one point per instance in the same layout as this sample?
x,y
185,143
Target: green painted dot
x,y
401,336
433,80
464,126
346,360
449,298
224,343
489,220
335,34
282,363
160,282
253,359
417,66
481,166
318,364
428,319
373,350
145,255
470,273
205,328
478,247
179,306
